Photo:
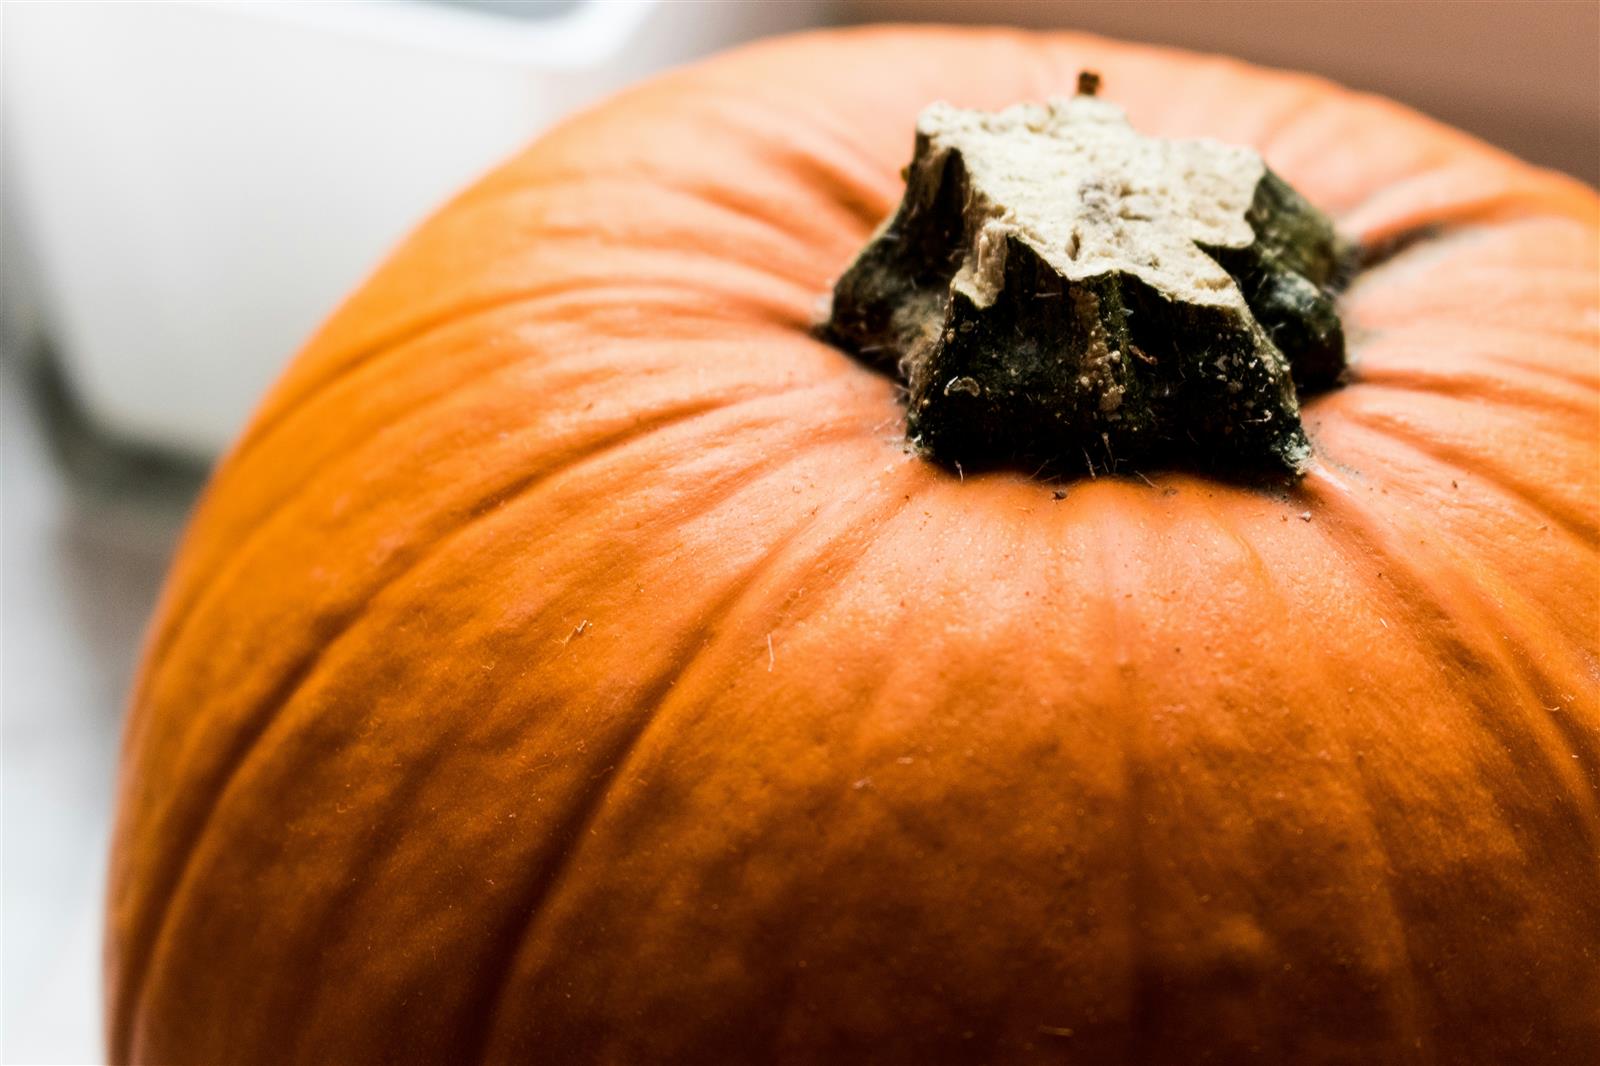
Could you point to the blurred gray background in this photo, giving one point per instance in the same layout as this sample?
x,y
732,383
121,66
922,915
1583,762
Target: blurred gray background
x,y
108,432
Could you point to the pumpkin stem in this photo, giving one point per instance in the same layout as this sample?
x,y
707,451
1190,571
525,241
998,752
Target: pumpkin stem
x,y
1056,288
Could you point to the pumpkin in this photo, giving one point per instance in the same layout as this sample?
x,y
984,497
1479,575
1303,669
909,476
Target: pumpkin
x,y
571,662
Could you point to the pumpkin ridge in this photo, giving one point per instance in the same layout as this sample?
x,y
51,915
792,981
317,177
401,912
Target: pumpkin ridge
x,y
1142,981
289,396
1413,358
1573,379
668,677
1407,1009
567,842
671,242
1394,267
1533,731
1472,476
280,407
1522,198
875,517
1293,114
852,199
860,188
1572,523
1520,673
1475,389
176,618
686,412
1536,681
726,201
146,947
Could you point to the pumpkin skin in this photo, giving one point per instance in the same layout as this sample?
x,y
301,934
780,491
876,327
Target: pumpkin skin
x,y
570,663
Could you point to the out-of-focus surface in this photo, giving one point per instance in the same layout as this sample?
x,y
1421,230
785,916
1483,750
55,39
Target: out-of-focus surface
x,y
1522,75
200,183
89,523
87,533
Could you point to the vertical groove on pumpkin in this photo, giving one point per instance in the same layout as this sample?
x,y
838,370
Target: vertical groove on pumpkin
x,y
1475,348
1409,1007
1532,679
1437,588
290,396
1140,991
1472,390
196,594
516,935
1418,589
141,949
1536,497
713,494
201,594
846,170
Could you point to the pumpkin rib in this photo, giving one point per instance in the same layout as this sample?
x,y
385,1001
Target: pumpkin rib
x,y
564,843
1504,313
1572,522
673,240
1520,383
1534,400
1392,212
1543,241
1302,149
852,185
791,1010
234,758
238,751
311,407
727,201
751,207
241,556
292,392
1416,394
285,400
1472,479
833,568
1141,990
1536,682
258,524
1409,1005
548,884
181,617
825,156
1381,342
1151,1025
1437,359
1330,492
735,481
1293,113
279,407
1333,495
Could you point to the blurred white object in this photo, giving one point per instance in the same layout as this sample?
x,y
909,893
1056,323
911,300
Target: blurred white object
x,y
199,184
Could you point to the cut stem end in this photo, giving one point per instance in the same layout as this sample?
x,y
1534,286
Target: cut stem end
x,y
1056,290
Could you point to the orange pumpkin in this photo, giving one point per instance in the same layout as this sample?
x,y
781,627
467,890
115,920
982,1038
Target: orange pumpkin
x,y
571,663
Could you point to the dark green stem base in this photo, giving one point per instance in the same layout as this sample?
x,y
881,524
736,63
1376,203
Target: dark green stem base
x,y
1091,356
